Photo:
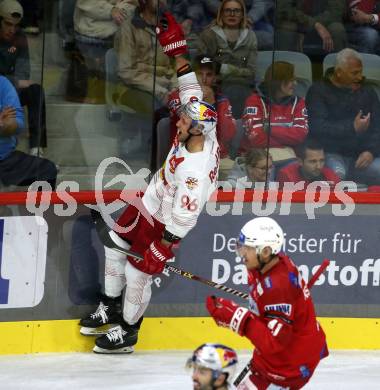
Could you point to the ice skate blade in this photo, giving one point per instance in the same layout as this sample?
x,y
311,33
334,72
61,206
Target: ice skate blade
x,y
97,349
100,331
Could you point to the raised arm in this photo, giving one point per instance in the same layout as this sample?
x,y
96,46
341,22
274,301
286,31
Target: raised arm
x,y
173,42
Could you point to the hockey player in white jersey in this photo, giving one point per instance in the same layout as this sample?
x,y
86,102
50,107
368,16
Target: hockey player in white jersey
x,y
173,201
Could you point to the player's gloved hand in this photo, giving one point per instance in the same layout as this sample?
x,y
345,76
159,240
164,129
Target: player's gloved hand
x,y
155,258
171,36
227,313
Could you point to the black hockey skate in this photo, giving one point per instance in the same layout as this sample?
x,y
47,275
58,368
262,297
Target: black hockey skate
x,y
119,339
107,315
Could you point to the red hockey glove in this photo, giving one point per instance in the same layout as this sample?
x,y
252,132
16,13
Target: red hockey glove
x,y
171,36
227,313
155,258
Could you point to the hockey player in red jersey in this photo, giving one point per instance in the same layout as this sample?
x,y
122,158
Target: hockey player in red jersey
x,y
280,321
172,203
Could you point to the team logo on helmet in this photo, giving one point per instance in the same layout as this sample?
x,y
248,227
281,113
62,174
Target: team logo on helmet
x,y
241,238
207,113
229,357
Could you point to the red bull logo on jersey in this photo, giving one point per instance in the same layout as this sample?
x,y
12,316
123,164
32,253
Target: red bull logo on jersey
x,y
285,308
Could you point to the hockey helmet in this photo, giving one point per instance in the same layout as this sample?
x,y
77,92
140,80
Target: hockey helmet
x,y
217,357
202,114
261,232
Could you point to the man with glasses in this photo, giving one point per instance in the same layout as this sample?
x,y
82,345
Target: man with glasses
x,y
255,167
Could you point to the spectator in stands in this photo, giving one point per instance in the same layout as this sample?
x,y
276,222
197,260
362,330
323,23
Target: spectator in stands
x,y
66,9
344,115
194,16
31,15
138,67
18,168
274,116
95,24
255,167
207,71
302,22
363,29
15,65
230,42
309,167
260,13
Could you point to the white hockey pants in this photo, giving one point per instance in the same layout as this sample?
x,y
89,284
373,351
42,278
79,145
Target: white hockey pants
x,y
119,273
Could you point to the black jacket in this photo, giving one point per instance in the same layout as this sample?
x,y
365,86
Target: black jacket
x,y
332,111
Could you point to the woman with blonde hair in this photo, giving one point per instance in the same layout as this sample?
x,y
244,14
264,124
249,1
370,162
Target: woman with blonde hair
x,y
230,42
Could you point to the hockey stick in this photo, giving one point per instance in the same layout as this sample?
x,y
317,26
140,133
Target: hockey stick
x,y
320,270
103,233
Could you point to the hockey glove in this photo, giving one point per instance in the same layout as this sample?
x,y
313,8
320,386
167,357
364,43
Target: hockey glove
x,y
171,36
155,258
227,313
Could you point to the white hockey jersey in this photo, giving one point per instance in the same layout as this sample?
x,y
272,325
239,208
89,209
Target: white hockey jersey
x,y
179,190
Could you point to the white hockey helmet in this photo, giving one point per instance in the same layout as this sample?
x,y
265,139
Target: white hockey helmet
x,y
217,357
203,115
261,232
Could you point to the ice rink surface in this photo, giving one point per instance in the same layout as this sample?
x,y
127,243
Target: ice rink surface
x,y
162,370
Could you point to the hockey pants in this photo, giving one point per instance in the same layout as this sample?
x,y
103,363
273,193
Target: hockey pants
x,y
120,273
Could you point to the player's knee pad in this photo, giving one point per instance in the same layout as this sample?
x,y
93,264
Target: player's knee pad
x,y
137,294
114,277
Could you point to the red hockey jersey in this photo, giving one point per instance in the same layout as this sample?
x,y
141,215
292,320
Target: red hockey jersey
x,y
288,339
292,173
225,128
289,124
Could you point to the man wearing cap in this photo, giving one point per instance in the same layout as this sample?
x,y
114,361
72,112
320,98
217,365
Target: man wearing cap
x,y
207,72
15,65
275,116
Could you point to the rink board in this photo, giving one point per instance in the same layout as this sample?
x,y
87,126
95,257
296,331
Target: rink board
x,y
171,334
51,269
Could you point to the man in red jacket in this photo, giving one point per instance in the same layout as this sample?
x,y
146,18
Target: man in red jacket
x,y
280,321
309,167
